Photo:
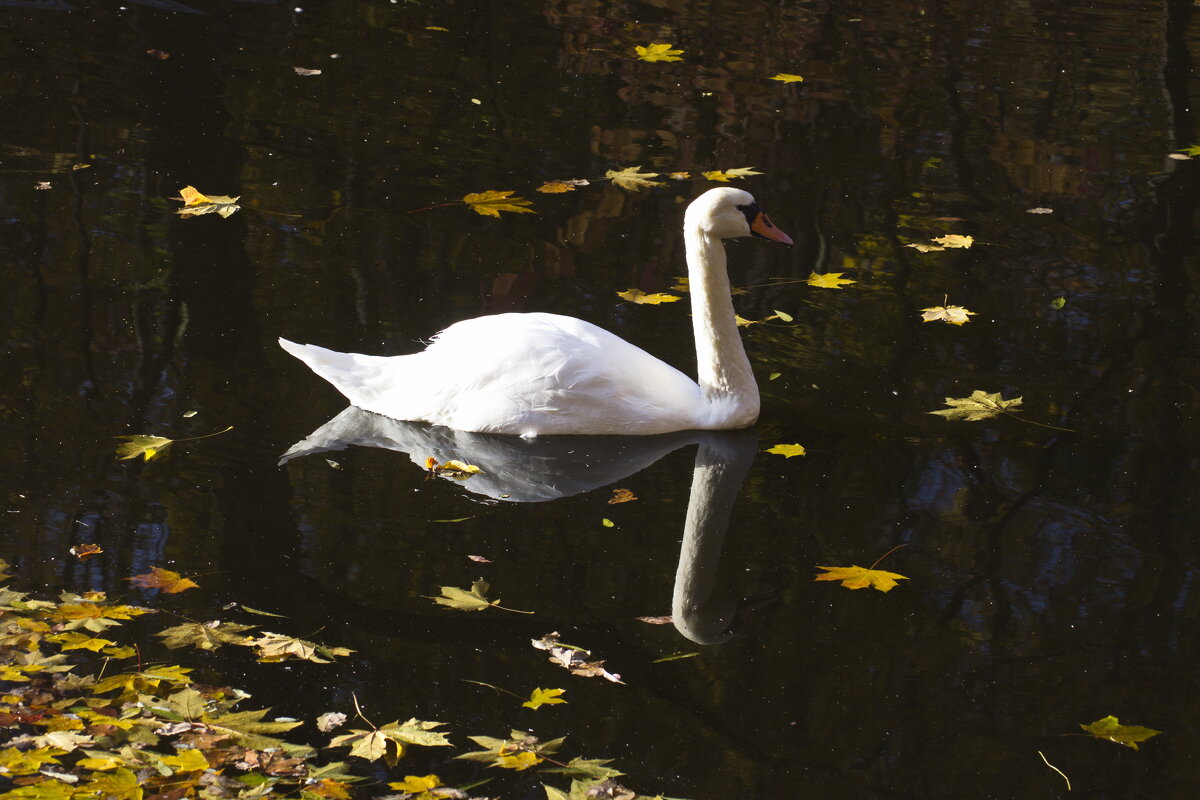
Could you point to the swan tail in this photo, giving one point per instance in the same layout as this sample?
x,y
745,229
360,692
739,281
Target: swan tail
x,y
343,370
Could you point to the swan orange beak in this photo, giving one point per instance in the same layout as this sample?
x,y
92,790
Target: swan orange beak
x,y
762,226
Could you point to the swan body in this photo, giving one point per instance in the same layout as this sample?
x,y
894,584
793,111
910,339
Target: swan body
x,y
536,374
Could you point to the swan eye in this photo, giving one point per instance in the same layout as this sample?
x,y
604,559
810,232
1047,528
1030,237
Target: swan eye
x,y
750,211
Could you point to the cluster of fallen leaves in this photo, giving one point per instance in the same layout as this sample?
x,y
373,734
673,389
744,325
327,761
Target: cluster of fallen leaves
x,y
83,717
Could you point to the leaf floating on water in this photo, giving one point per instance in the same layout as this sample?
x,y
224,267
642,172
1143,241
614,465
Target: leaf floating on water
x,y
1111,729
980,405
204,635
161,55
655,620
83,551
558,187
330,720
608,523
1039,210
787,450
861,578
305,71
621,496
164,579
274,647
1058,303
786,77
828,280
573,658
43,186
633,179
519,752
416,785
390,741
151,447
492,202
675,657
658,52
679,176
480,559
196,204
544,697
588,768
726,175
947,242
458,470
641,298
474,600
774,375
954,315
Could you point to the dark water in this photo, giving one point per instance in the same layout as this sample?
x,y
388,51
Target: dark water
x,y
1052,575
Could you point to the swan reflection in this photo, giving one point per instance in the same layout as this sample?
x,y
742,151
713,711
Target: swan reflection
x,y
522,470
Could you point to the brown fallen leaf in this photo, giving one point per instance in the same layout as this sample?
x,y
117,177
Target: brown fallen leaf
x,y
621,496
164,579
574,659
655,620
480,559
83,551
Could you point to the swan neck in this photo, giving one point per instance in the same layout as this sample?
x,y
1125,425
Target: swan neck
x,y
723,370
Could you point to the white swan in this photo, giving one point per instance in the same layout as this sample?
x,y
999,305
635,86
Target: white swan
x,y
534,374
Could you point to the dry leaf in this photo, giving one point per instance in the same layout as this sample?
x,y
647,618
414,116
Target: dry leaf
x,y
1039,210
480,559
330,720
828,280
573,659
164,579
786,77
979,406
492,202
655,620
151,447
621,496
861,578
1111,729
304,71
544,697
82,551
641,298
196,204
557,187
726,175
658,52
954,315
632,178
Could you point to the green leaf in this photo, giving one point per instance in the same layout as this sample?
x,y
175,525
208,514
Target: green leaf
x,y
588,768
979,406
1111,729
462,600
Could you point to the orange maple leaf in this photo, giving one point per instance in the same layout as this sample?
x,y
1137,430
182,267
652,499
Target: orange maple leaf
x,y
159,578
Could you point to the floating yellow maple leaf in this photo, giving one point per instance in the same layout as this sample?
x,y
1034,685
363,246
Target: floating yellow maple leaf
x,y
641,298
544,697
195,203
632,178
828,280
725,175
152,447
164,579
786,77
658,52
787,450
492,202
954,315
458,470
980,405
414,784
861,577
1111,729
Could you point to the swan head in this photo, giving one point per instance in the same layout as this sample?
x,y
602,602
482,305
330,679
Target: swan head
x,y
728,213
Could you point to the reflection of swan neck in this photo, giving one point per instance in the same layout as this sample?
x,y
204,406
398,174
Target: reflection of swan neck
x,y
723,371
722,462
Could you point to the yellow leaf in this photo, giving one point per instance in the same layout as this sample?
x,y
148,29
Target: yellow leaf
x,y
632,178
151,447
608,523
459,470
415,785
100,763
195,203
979,406
954,240
861,578
120,785
544,697
679,176
641,298
828,280
492,202
658,52
954,315
328,788
1111,729
73,640
522,760
188,760
164,579
462,600
742,322
781,316
786,77
787,450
